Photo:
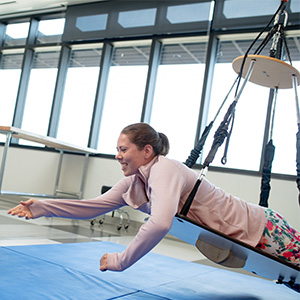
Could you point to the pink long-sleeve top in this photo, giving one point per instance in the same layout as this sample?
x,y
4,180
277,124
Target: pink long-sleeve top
x,y
160,189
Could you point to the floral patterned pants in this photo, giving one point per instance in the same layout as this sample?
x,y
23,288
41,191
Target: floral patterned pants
x,y
280,239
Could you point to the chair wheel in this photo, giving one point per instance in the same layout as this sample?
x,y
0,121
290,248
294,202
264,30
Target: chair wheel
x,y
119,227
93,222
126,226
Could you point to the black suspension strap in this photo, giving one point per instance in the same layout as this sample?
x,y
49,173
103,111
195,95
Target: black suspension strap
x,y
220,134
280,8
195,153
219,138
232,109
268,153
298,162
224,158
222,131
265,186
295,84
278,36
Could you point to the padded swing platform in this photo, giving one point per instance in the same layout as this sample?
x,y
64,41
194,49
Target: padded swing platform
x,y
249,258
267,71
71,271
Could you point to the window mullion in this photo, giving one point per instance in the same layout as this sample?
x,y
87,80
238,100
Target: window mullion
x,y
211,56
59,90
2,33
105,64
155,56
25,75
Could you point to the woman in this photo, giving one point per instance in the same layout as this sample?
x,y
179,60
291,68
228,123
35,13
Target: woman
x,y
159,186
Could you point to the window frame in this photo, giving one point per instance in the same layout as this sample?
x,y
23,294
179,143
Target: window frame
x,y
215,34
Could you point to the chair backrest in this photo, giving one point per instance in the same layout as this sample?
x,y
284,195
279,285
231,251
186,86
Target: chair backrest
x,y
105,188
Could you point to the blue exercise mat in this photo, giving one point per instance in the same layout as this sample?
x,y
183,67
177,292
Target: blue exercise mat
x,y
27,277
71,271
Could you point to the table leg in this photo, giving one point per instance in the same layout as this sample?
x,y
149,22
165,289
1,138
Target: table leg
x,y
84,171
4,156
61,154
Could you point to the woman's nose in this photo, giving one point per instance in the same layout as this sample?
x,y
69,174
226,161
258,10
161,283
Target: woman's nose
x,y
118,156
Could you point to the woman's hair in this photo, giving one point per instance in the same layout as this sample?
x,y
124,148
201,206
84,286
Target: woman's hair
x,y
142,134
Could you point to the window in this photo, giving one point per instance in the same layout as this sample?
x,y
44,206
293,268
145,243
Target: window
x,y
125,92
92,23
178,94
79,96
16,34
10,71
242,8
284,132
40,91
187,13
246,141
179,31
50,31
137,18
294,6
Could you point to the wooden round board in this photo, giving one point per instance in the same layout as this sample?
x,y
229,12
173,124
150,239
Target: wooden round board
x,y
268,71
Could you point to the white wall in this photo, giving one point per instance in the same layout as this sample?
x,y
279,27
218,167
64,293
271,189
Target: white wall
x,y
34,171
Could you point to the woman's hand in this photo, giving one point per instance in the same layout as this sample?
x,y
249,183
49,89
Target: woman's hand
x,y
23,210
103,263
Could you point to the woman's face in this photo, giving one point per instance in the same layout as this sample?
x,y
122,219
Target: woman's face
x,y
130,157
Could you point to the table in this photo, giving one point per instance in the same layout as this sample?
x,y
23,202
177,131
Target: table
x,y
50,142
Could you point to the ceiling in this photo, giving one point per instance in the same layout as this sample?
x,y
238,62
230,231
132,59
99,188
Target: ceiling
x,y
12,8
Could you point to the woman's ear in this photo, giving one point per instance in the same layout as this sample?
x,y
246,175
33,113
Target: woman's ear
x,y
148,151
